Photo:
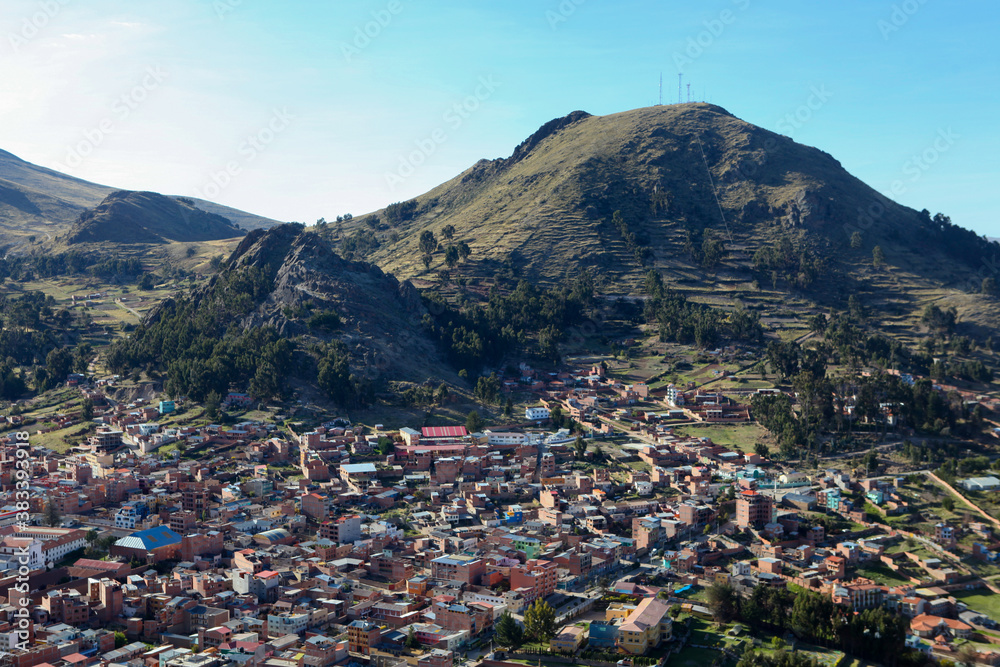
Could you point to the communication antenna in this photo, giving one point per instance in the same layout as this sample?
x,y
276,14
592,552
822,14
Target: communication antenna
x,y
661,89
689,93
680,78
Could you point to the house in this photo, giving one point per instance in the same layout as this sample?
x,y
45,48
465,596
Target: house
x,y
928,626
568,639
536,414
646,627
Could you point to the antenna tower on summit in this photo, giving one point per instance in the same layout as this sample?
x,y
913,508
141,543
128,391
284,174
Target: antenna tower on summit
x,y
680,78
661,89
689,92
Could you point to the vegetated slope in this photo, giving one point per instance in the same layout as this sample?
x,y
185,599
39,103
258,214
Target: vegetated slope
x,y
348,325
147,217
548,208
35,201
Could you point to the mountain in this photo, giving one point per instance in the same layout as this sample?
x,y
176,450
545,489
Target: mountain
x,y
147,217
285,310
679,175
380,316
41,202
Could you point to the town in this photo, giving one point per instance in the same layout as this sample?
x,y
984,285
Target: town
x,y
596,530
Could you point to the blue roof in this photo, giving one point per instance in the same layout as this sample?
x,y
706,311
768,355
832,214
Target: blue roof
x,y
149,539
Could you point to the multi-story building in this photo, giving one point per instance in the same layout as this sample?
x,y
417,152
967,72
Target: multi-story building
x,y
646,627
534,579
362,637
345,530
130,514
183,522
316,506
536,414
286,623
646,532
466,569
195,497
753,509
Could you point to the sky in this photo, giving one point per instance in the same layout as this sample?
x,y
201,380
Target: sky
x,y
304,109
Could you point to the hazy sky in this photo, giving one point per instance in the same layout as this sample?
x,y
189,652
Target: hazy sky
x,y
300,109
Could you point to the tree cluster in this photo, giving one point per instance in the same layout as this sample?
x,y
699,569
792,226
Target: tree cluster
x,y
528,319
686,322
873,634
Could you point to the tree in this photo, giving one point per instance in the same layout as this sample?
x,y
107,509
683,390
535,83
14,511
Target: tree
x,y
52,516
87,411
989,286
967,655
449,232
451,256
426,259
120,639
948,503
856,240
427,243
507,632
508,408
722,601
540,621
878,257
212,403
761,450
580,447
473,422
384,446
411,639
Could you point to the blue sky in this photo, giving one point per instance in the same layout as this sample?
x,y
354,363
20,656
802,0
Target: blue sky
x,y
290,110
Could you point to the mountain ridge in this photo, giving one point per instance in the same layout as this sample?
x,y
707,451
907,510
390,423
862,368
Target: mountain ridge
x,y
38,201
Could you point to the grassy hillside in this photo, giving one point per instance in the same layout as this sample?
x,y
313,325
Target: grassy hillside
x,y
43,203
726,211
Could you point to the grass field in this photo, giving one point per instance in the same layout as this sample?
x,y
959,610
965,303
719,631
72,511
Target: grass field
x,y
882,575
741,437
982,600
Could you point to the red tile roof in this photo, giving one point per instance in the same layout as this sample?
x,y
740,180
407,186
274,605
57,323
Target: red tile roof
x,y
444,431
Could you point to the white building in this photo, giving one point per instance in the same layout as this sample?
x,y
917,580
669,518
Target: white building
x,y
11,551
127,517
279,625
674,396
504,438
56,542
980,484
536,414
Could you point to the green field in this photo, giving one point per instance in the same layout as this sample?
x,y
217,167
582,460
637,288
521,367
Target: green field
x,y
982,600
741,437
882,575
